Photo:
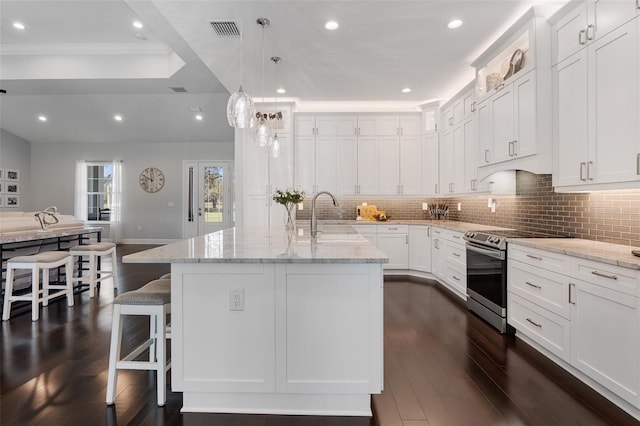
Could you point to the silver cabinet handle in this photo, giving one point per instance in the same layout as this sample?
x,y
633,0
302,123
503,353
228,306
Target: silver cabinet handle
x,y
359,130
435,126
457,237
486,153
515,148
571,287
534,257
455,278
500,86
406,239
532,285
589,164
429,229
534,323
392,229
582,37
456,254
590,31
603,275
582,174
435,188
473,104
436,244
511,149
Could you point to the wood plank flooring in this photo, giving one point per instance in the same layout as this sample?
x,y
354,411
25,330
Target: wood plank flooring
x,y
443,366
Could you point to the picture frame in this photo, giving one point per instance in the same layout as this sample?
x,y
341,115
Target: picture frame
x,y
11,188
12,175
11,201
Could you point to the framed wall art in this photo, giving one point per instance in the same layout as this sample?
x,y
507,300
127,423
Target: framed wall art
x,y
11,201
12,175
11,188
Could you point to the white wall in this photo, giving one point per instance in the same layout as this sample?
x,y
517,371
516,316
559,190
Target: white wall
x,y
15,154
53,174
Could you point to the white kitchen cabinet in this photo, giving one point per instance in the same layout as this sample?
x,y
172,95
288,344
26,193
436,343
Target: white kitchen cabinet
x,y
367,160
438,254
596,95
410,165
393,240
447,162
515,116
420,248
430,117
430,164
580,23
584,312
605,338
387,165
369,232
471,157
321,142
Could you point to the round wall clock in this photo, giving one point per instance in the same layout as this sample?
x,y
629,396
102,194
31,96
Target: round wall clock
x,y
152,179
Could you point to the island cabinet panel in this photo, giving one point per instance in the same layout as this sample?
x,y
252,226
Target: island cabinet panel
x,y
225,350
326,344
308,339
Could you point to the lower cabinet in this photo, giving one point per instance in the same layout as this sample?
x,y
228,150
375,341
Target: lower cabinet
x,y
585,313
393,240
420,248
605,337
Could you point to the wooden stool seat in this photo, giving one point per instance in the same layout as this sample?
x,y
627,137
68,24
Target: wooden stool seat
x,y
153,300
44,262
93,252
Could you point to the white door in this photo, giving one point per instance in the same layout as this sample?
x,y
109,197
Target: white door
x,y
209,198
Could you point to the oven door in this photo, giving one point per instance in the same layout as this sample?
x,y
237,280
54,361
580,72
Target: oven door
x,y
487,277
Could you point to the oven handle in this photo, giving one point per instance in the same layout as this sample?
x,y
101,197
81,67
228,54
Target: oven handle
x,y
498,254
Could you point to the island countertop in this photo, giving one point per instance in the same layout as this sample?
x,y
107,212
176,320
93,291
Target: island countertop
x,y
334,244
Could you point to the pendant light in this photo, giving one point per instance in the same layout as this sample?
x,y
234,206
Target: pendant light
x,y
240,108
275,146
263,135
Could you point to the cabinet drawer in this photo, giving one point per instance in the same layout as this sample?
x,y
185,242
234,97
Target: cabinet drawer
x,y
457,253
539,258
549,330
393,229
613,277
548,289
449,235
456,276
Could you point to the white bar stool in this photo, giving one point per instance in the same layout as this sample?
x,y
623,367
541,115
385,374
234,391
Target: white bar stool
x,y
154,300
44,261
93,252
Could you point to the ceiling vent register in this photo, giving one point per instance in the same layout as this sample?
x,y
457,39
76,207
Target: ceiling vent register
x,y
225,28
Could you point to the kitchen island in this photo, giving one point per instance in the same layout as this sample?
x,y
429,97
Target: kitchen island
x,y
268,320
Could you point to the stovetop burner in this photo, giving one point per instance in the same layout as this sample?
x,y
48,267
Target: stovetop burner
x,y
498,238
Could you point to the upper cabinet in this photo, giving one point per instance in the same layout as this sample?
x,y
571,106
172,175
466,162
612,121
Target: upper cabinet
x,y
348,154
581,23
513,84
596,104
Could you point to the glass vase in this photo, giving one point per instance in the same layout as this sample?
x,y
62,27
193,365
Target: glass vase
x,y
290,217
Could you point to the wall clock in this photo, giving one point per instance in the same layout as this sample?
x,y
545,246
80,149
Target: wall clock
x,y
152,179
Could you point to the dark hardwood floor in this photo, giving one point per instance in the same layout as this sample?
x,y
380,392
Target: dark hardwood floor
x,y
443,366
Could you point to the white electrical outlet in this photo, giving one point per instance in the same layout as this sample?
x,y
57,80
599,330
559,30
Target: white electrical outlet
x,y
459,206
236,299
300,206
425,206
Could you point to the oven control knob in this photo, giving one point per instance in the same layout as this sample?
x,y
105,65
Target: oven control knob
x,y
471,234
491,239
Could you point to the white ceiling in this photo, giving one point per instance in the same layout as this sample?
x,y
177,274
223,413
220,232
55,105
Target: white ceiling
x,y
81,62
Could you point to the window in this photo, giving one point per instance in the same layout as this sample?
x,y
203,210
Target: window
x,y
99,191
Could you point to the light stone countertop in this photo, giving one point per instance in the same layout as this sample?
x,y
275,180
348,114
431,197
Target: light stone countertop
x,y
335,244
614,254
34,235
445,224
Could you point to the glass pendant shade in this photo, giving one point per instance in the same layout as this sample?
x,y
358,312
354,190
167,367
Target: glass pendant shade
x,y
275,147
240,110
263,132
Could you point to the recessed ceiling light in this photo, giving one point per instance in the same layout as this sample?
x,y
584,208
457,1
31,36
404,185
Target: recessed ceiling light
x,y
137,24
406,90
117,117
331,25
18,25
281,90
454,24
199,117
42,117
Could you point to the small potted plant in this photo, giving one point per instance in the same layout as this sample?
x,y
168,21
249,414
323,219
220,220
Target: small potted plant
x,y
289,198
